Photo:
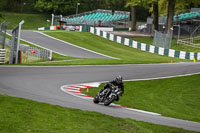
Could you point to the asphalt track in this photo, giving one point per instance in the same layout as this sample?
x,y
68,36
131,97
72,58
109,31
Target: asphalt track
x,y
58,45
43,84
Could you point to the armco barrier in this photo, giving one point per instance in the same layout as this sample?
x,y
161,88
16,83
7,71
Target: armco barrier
x,y
2,55
146,47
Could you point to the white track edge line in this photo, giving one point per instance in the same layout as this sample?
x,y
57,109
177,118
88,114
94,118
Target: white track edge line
x,y
88,98
40,46
76,46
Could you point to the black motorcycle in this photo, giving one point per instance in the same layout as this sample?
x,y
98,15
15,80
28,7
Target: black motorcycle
x,y
107,96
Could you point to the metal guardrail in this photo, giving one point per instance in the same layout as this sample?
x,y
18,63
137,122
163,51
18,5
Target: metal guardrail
x,y
188,43
2,55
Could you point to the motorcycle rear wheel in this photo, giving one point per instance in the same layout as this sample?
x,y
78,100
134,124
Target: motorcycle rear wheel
x,y
108,101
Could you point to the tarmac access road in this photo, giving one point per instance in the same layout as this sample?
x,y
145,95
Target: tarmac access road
x,y
43,84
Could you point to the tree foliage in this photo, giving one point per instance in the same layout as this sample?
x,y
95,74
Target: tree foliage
x,y
55,6
115,4
180,5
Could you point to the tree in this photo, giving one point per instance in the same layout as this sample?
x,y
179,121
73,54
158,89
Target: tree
x,y
170,15
132,4
172,6
155,14
115,4
56,6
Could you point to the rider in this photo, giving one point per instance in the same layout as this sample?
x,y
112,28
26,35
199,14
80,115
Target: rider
x,y
116,82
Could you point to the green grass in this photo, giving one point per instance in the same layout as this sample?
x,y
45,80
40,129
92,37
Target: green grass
x,y
21,116
197,40
174,97
126,54
31,21
174,45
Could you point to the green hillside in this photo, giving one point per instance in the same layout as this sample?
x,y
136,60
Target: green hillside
x,y
32,21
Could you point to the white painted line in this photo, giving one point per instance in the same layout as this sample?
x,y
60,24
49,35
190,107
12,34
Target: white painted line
x,y
69,90
74,66
60,61
77,46
163,77
39,46
96,84
142,111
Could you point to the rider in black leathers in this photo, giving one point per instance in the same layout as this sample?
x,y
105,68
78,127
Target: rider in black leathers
x,y
116,82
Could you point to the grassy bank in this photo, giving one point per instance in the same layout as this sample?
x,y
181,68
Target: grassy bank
x,y
127,55
32,21
175,97
21,116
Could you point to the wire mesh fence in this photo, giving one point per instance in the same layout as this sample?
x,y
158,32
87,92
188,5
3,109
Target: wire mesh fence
x,y
30,54
189,35
162,40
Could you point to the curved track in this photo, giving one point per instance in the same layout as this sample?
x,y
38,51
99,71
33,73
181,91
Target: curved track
x,y
43,84
58,46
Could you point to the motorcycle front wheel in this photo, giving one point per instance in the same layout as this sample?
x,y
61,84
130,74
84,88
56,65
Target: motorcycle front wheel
x,y
96,100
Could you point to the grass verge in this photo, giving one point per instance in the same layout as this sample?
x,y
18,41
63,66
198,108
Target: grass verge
x,y
126,54
174,97
21,116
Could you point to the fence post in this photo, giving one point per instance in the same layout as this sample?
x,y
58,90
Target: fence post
x,y
15,43
3,28
50,56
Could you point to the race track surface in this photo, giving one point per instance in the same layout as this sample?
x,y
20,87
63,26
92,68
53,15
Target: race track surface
x,y
43,84
58,46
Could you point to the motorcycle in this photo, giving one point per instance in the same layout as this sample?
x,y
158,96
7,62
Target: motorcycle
x,y
107,96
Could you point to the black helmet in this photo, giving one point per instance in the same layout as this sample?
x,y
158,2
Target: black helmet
x,y
118,79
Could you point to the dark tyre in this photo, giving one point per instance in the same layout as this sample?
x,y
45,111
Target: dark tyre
x,y
108,101
96,100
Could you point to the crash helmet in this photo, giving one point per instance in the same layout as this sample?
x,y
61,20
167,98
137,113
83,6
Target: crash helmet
x,y
118,79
